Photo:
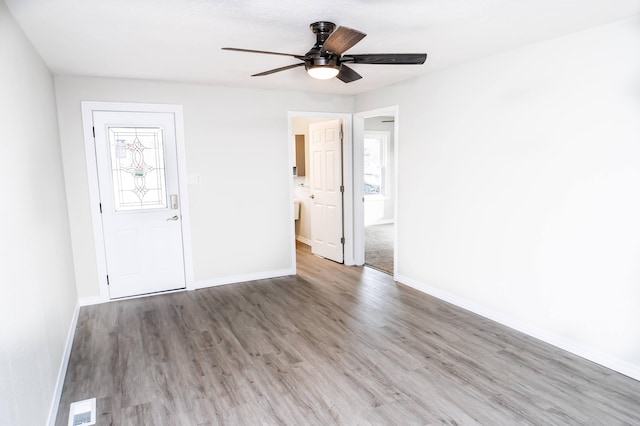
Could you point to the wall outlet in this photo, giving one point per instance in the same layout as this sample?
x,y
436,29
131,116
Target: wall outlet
x,y
195,179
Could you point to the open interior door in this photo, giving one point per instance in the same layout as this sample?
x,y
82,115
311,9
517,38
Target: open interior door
x,y
327,190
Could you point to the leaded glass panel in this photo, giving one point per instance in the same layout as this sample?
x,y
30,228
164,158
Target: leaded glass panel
x,y
137,167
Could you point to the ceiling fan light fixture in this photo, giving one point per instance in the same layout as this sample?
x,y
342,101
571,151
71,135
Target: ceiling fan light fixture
x,y
323,72
326,59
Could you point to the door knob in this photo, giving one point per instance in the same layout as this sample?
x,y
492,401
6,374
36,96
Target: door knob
x,y
312,196
176,217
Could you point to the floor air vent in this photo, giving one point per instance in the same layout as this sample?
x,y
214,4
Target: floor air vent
x,y
83,413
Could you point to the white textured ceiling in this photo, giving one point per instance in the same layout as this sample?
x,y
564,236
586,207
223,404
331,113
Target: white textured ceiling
x,y
180,40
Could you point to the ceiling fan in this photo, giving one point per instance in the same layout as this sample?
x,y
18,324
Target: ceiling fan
x,y
326,59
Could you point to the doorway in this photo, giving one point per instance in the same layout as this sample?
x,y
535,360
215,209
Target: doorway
x,y
141,222
379,196
302,191
375,218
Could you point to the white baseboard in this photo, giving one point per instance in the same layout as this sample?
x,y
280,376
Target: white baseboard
x,y
606,360
380,222
88,301
241,278
303,240
62,372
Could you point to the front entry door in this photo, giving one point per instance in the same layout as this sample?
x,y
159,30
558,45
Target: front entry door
x,y
326,190
139,196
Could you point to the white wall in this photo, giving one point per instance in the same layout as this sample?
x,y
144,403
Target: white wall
x,y
37,286
519,179
236,139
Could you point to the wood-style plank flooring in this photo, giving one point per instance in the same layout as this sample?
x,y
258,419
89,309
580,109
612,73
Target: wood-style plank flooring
x,y
333,345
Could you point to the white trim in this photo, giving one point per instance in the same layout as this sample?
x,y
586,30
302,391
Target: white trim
x,y
183,184
94,195
292,161
158,293
88,301
347,179
304,240
62,371
94,198
358,180
382,222
235,279
606,360
377,197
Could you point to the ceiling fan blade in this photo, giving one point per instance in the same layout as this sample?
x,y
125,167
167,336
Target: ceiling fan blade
x,y
288,67
387,58
234,49
342,39
347,75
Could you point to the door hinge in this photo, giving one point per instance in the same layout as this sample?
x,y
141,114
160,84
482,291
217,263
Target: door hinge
x,y
107,279
100,204
94,132
341,188
342,240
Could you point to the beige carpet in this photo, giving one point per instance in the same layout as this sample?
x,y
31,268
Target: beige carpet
x,y
378,248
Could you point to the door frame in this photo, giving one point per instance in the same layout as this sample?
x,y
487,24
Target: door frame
x,y
347,178
358,181
88,107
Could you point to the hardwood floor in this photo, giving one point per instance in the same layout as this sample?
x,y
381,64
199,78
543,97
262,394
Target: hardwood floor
x,y
333,345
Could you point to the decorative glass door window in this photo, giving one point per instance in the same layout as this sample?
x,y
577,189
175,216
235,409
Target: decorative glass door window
x,y
137,168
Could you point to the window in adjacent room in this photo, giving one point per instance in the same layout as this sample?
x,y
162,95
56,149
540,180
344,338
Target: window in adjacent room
x,y
376,164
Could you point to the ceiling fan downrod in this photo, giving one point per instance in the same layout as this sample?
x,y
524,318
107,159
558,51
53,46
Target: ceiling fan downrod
x,y
322,30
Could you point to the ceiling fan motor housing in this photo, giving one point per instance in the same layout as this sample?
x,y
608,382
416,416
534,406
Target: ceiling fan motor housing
x,y
316,57
321,61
